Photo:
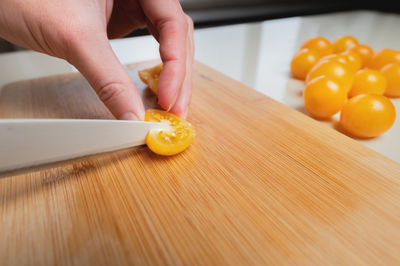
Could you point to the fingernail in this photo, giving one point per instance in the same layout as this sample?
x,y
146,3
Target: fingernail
x,y
140,115
170,106
128,116
185,114
173,101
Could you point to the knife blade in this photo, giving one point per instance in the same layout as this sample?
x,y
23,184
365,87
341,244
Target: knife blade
x,y
30,142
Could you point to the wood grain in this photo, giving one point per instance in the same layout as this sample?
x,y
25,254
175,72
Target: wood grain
x,y
262,184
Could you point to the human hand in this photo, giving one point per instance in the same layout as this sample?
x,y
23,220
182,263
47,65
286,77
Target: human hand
x,y
78,31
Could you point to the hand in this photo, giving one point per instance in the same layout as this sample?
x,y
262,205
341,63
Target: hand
x,y
78,31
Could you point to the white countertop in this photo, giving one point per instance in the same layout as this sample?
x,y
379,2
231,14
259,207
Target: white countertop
x,y
257,54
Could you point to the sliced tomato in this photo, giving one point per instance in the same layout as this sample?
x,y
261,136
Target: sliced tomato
x,y
173,140
150,77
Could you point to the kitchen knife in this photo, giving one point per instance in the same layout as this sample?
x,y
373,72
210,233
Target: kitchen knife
x,y
29,142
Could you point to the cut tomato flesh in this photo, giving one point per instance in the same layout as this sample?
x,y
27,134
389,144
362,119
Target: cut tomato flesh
x,y
150,77
170,141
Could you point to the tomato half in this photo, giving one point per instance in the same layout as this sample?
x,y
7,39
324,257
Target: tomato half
x,y
150,77
173,140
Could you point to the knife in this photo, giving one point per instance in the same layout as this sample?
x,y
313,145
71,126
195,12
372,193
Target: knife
x,y
30,142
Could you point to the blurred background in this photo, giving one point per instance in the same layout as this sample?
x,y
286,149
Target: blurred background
x,y
209,13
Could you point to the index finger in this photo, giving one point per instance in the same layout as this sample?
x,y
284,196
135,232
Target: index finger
x,y
170,23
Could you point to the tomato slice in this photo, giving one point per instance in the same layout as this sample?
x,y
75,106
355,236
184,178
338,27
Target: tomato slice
x,y
173,140
150,77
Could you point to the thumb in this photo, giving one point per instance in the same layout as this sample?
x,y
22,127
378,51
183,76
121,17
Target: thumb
x,y
100,66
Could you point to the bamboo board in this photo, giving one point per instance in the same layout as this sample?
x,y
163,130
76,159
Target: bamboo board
x,y
262,184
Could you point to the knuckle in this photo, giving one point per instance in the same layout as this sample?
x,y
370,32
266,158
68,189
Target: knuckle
x,y
110,92
72,37
70,33
175,25
69,38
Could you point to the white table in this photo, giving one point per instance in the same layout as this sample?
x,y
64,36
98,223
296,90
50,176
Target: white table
x,y
257,54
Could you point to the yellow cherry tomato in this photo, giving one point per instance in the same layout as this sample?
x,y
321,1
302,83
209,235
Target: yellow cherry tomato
x,y
384,57
392,75
170,141
354,61
319,44
150,77
302,62
367,115
335,57
368,81
350,59
324,96
344,43
332,69
364,51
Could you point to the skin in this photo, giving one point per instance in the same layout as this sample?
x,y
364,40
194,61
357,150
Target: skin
x,y
79,32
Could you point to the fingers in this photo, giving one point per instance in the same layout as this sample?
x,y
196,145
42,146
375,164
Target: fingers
x,y
95,59
181,106
173,29
126,16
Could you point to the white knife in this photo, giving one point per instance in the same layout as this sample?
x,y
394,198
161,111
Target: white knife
x,y
30,142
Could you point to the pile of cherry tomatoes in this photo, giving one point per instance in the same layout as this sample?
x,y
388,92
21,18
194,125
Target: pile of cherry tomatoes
x,y
348,77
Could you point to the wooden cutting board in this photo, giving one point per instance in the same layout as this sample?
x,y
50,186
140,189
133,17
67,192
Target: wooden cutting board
x,y
262,183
